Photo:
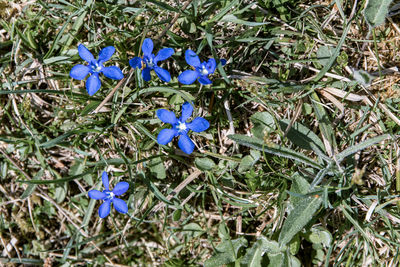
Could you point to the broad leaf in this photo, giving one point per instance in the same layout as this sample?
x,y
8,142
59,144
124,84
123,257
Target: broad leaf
x,y
263,123
253,256
303,137
204,164
226,252
324,53
249,160
375,12
301,214
157,168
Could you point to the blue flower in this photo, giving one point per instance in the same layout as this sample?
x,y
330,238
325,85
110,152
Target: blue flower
x,y
95,67
150,60
180,127
201,69
109,196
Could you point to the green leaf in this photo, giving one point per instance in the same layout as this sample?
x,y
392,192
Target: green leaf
x,y
226,252
363,77
61,138
204,164
31,187
192,230
294,245
335,54
58,59
249,160
323,119
176,216
277,260
324,53
273,149
234,19
77,168
301,214
319,235
29,190
294,262
222,12
354,149
263,123
67,39
153,188
302,136
62,180
61,193
157,168
223,231
375,12
254,254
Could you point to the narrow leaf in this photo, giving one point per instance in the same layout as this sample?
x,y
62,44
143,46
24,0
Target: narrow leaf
x,y
234,19
29,190
324,123
354,149
273,149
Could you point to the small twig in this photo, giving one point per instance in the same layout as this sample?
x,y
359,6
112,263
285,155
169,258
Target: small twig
x,y
112,92
296,115
15,164
87,260
229,115
178,189
173,21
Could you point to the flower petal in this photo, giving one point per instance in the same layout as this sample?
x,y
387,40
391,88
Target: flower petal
x,y
188,76
198,125
136,62
211,65
187,110
96,194
166,135
106,53
146,74
147,47
166,116
105,208
223,61
185,144
104,179
204,80
93,84
192,58
163,74
120,188
85,54
113,72
163,54
120,205
79,72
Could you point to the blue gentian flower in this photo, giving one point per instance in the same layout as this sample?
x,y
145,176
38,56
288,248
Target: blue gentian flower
x,y
150,61
109,196
95,67
201,69
180,127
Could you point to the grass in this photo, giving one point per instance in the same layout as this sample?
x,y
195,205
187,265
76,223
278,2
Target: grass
x,y
301,164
